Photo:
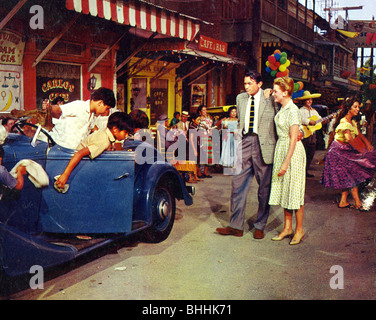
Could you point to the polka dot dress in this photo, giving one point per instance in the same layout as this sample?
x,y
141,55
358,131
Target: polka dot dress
x,y
288,190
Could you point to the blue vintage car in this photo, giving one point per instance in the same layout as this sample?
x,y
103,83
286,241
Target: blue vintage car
x,y
109,197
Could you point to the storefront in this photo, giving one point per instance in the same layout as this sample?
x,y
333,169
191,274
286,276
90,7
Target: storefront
x,y
78,43
173,75
151,88
11,73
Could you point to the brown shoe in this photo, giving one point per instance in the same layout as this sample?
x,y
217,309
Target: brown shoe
x,y
228,231
259,234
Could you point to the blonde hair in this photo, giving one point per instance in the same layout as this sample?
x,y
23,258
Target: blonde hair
x,y
286,84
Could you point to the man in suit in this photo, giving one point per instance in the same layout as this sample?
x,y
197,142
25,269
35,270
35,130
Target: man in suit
x,y
184,123
256,123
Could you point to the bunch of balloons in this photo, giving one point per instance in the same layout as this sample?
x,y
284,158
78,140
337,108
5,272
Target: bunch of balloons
x,y
277,64
298,90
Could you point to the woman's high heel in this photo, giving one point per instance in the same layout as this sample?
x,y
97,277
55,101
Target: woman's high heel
x,y
279,238
297,241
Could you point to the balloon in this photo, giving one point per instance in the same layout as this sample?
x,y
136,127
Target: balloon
x,y
296,87
279,74
277,64
301,85
271,59
283,60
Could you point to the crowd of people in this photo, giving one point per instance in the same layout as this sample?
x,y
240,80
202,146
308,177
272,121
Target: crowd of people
x,y
262,137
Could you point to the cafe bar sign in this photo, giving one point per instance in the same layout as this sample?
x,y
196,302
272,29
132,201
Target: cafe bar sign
x,y
12,48
212,45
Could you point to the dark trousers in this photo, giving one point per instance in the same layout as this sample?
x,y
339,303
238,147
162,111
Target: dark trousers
x,y
310,149
252,164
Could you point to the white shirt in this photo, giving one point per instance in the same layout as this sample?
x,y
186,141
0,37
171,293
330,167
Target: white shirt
x,y
307,113
73,125
256,112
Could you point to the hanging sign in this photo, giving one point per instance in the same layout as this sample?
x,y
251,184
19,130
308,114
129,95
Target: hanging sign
x,y
58,80
366,34
212,45
12,48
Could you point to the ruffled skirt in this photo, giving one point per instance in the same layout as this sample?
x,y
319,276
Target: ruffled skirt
x,y
345,167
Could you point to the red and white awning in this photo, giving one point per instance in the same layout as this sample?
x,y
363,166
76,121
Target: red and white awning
x,y
141,15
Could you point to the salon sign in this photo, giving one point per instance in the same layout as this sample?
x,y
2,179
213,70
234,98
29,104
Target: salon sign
x,y
12,48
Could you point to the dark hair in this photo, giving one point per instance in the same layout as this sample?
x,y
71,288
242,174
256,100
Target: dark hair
x,y
200,108
57,100
104,94
4,122
1,152
140,119
176,113
120,120
230,109
253,75
345,107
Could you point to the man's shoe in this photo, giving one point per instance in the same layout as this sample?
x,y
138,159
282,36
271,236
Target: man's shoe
x,y
228,231
259,234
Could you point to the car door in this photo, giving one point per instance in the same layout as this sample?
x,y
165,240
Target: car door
x,y
23,212
99,198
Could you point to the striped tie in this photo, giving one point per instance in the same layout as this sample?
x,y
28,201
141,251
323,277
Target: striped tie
x,y
251,114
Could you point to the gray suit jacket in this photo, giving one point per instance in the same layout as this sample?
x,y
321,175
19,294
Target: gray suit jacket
x,y
266,127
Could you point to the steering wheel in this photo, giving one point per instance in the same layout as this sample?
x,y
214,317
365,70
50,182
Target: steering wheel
x,y
19,125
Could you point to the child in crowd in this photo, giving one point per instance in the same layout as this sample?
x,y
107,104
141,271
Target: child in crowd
x,y
119,126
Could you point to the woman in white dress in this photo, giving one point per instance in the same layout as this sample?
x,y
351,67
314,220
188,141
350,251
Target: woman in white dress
x,y
288,177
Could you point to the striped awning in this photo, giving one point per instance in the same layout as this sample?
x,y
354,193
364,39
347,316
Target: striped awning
x,y
139,14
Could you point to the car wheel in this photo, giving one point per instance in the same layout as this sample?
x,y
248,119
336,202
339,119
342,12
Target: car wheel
x,y
163,215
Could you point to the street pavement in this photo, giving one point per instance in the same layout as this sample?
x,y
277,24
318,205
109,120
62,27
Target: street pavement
x,y
335,261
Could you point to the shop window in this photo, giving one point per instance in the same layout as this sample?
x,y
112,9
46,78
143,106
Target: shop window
x,y
95,53
282,4
60,47
55,79
158,99
138,93
198,95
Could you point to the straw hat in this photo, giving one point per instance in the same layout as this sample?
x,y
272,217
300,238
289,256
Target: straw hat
x,y
308,95
163,117
185,114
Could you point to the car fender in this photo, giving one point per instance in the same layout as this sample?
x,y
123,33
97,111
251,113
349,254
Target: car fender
x,y
20,251
148,178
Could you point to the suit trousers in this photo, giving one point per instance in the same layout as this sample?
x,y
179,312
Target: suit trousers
x,y
252,164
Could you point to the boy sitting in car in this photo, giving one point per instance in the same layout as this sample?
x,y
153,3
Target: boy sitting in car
x,y
119,125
